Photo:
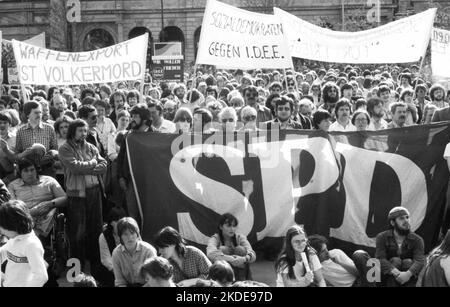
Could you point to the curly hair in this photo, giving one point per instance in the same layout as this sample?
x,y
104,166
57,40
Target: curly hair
x,y
326,88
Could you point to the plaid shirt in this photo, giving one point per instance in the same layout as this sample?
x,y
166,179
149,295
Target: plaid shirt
x,y
43,134
195,265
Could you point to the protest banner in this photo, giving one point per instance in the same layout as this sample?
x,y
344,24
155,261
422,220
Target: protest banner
x,y
121,62
9,63
401,41
341,185
440,53
234,38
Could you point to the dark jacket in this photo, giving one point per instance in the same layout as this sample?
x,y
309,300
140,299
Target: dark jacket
x,y
123,167
412,248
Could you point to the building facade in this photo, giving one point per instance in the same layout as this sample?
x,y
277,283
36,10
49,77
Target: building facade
x,y
107,22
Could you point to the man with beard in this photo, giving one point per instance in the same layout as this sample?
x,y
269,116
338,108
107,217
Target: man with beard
x,y
437,95
330,95
83,170
400,251
376,112
398,110
140,123
342,112
169,110
180,92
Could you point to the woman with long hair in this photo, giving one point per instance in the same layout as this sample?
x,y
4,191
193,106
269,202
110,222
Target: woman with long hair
x,y
231,247
437,271
298,264
189,263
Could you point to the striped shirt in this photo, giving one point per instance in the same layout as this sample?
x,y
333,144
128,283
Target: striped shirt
x,y
195,265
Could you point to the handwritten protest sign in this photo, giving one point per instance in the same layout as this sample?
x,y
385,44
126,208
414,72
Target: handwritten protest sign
x,y
121,62
401,41
440,53
235,38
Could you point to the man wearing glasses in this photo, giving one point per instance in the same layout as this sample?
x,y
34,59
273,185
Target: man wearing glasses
x,y
89,114
284,107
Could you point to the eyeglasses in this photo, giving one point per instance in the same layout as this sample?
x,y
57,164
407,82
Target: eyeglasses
x,y
185,120
250,118
228,120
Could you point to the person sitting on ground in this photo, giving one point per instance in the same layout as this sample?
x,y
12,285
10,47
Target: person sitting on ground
x,y
400,251
30,269
108,241
437,271
222,273
229,246
291,268
189,263
129,256
157,273
338,269
84,281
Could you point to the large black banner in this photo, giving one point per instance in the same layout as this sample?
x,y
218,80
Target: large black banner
x,y
340,185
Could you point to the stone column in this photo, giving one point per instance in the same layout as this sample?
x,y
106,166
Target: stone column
x,y
58,25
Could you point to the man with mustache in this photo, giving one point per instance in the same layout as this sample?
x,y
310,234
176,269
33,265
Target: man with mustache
x,y
330,95
398,110
400,251
342,111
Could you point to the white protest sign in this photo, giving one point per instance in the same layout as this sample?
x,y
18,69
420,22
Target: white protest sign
x,y
121,62
440,53
38,40
235,38
401,41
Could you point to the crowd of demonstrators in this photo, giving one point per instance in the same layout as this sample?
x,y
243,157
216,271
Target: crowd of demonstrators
x,y
64,149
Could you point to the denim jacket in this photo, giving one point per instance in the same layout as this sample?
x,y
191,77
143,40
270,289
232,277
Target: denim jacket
x,y
412,248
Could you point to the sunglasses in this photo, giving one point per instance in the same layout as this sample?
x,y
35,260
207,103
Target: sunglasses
x,y
250,118
291,84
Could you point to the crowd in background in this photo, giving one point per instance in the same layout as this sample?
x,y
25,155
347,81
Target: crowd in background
x,y
63,150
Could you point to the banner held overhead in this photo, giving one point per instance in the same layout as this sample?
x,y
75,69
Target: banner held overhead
x,y
440,53
235,38
401,41
121,62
